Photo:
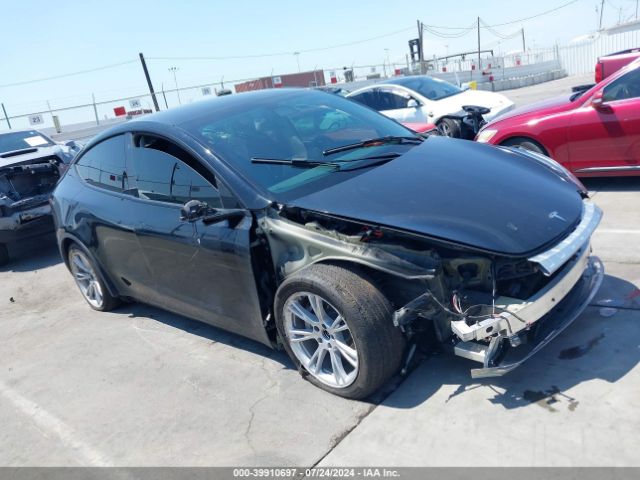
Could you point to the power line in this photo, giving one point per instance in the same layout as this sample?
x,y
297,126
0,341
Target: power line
x,y
512,21
279,54
80,72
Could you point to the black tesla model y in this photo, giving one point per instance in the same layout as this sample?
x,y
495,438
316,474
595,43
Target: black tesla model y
x,y
306,221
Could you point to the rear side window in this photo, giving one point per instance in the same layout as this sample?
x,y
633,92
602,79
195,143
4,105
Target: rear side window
x,y
104,164
159,170
367,98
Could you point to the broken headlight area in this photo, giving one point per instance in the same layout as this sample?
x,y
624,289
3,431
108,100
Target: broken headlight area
x,y
500,311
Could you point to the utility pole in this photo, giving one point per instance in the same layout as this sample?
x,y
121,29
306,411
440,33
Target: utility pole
x,y
423,70
6,116
146,74
175,79
601,11
297,54
636,9
479,60
95,108
524,45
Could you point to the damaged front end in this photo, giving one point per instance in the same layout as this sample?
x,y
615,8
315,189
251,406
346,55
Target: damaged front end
x,y
24,199
493,309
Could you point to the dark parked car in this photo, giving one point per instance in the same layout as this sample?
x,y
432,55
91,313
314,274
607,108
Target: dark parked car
x,y
30,165
343,241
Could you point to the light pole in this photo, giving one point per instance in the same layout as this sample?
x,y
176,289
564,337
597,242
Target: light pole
x,y
386,51
297,54
175,79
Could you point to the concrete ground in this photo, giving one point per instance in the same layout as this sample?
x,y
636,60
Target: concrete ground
x,y
140,386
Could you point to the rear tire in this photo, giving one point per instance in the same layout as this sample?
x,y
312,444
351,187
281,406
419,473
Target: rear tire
x,y
4,254
89,281
448,127
337,327
525,143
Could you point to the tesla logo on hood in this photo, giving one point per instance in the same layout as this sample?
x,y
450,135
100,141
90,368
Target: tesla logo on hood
x,y
557,215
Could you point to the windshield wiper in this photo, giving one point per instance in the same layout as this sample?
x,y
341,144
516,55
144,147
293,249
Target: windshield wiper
x,y
294,162
372,142
338,165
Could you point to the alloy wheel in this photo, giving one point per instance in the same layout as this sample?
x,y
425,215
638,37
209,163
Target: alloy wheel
x,y
86,278
320,338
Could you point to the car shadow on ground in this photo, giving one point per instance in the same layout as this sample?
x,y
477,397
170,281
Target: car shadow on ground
x,y
602,344
32,254
204,330
612,184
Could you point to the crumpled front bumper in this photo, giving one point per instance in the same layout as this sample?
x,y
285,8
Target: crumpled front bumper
x,y
501,357
26,223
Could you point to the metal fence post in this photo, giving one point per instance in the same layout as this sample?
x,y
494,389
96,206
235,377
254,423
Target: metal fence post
x,y
95,109
6,116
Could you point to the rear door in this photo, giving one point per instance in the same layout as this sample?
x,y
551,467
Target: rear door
x,y
106,223
607,139
200,270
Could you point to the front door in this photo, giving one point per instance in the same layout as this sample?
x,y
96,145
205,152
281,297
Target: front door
x,y
203,271
606,138
399,105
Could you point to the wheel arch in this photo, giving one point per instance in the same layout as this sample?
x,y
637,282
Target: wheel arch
x,y
512,138
65,243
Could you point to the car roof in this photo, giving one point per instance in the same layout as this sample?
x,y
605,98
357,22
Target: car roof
x,y
179,115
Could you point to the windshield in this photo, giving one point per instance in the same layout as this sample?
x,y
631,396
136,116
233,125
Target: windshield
x,y
299,126
432,88
21,140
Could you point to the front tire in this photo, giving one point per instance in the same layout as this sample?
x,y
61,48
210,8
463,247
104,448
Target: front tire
x,y
90,283
525,143
336,326
447,127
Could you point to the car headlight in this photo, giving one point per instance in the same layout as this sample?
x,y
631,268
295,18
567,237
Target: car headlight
x,y
485,135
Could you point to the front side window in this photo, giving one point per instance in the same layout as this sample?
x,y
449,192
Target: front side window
x,y
157,170
627,86
392,100
104,164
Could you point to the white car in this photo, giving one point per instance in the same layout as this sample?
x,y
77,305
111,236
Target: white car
x,y
423,99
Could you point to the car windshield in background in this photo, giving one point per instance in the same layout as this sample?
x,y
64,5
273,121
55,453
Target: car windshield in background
x,y
22,140
298,126
431,88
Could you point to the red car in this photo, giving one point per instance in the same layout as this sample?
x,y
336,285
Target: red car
x,y
610,64
592,133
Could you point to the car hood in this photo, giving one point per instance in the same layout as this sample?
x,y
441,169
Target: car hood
x,y
484,197
545,107
32,155
496,102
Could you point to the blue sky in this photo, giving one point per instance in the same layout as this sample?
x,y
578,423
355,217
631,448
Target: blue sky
x,y
44,38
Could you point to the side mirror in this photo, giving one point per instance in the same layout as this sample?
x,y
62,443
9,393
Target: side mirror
x,y
598,102
195,210
73,145
412,103
192,210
